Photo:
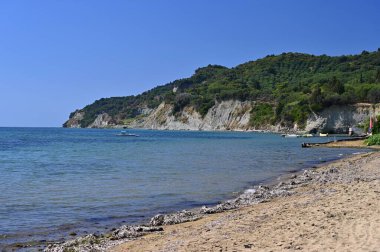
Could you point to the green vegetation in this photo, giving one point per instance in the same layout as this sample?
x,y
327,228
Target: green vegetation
x,y
373,140
376,125
262,114
288,86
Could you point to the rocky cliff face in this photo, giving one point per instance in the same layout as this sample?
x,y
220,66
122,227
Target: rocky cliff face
x,y
102,121
227,115
340,118
234,115
74,121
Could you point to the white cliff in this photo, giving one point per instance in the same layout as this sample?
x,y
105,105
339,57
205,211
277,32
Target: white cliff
x,y
340,118
102,121
227,115
233,115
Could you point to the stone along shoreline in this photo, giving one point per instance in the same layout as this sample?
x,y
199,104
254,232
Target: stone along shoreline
x,y
334,207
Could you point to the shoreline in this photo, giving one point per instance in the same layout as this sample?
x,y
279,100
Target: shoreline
x,y
249,130
159,223
332,208
345,143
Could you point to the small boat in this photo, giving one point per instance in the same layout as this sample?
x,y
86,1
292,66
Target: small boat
x,y
292,135
323,135
124,133
307,135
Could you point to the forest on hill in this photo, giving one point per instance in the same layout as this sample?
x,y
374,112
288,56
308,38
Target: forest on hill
x,y
284,88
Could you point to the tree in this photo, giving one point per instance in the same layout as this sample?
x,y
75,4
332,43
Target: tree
x,y
374,95
316,96
361,78
336,85
377,76
254,83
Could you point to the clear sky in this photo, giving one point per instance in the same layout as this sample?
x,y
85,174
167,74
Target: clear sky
x,y
60,55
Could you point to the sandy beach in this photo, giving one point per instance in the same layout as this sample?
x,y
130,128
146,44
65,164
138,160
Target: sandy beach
x,y
338,211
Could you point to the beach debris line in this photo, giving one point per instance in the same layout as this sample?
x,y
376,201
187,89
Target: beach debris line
x,y
175,218
93,242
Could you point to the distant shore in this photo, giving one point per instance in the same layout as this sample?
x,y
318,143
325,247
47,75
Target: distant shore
x,y
328,208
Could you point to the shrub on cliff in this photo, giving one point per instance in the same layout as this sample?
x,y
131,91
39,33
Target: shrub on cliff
x,y
373,140
375,127
261,115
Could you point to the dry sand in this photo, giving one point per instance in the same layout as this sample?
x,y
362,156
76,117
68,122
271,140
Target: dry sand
x,y
338,212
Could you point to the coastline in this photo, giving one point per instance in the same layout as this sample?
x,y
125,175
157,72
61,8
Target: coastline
x,y
350,143
161,227
332,208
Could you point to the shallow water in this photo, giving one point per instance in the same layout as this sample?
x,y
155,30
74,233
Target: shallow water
x,y
58,181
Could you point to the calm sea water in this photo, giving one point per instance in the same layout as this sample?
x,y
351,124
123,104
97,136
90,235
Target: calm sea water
x,y
56,181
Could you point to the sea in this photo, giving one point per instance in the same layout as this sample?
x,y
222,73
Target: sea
x,y
57,183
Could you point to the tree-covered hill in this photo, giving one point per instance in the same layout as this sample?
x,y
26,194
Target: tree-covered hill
x,y
286,88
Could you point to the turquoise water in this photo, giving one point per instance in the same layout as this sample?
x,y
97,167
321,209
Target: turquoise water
x,y
57,181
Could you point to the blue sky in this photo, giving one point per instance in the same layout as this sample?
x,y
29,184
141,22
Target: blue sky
x,y
57,56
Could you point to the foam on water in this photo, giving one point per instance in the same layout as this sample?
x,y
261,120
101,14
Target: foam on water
x,y
251,190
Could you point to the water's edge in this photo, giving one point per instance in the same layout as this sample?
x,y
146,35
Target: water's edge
x,y
192,214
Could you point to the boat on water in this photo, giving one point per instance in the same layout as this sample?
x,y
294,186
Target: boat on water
x,y
307,135
125,133
297,135
323,135
290,135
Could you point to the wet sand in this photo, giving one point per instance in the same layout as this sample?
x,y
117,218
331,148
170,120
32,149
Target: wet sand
x,y
337,209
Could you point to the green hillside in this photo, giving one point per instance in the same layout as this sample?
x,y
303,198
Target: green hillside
x,y
285,88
